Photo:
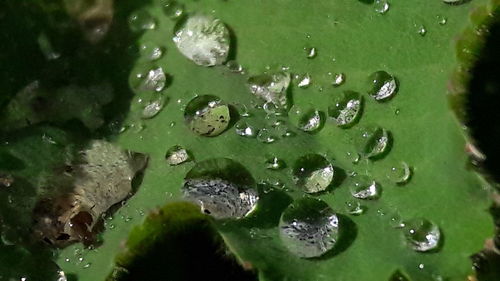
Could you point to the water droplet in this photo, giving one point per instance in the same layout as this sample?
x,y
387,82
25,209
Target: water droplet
x,y
87,265
398,276
396,222
338,79
441,20
266,136
382,85
454,2
154,106
207,115
222,187
309,228
363,187
271,87
173,9
354,208
346,109
309,120
203,39
422,235
354,157
313,173
150,51
381,6
242,109
421,30
271,109
151,80
304,81
141,20
243,129
373,142
274,163
234,66
311,52
177,155
421,266
400,173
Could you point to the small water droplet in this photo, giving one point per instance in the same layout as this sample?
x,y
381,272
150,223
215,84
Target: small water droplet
x,y
243,129
396,221
222,188
234,66
338,79
207,115
203,39
309,120
274,163
421,266
150,51
313,173
398,276
400,173
421,30
87,265
421,234
154,106
271,109
363,187
173,9
397,111
151,80
309,227
373,142
354,157
311,52
381,6
242,110
177,155
271,87
266,136
141,20
304,81
354,208
382,85
441,20
346,109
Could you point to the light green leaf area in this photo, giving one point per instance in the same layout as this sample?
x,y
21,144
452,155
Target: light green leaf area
x,y
350,38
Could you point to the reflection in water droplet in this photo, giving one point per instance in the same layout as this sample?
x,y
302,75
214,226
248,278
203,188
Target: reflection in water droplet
x,y
177,155
311,52
275,163
313,173
363,187
266,136
203,39
243,129
207,115
422,235
398,276
373,142
222,187
346,109
454,2
234,66
354,208
153,107
152,80
400,173
338,79
309,120
150,51
173,9
304,81
271,87
382,85
61,276
141,20
381,6
309,228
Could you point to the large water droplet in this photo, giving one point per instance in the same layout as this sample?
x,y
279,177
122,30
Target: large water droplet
x,y
141,20
271,87
346,109
309,120
274,163
203,39
309,228
313,173
382,85
381,6
207,115
222,187
398,276
399,173
154,106
373,142
150,51
363,187
173,9
422,235
177,155
244,129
